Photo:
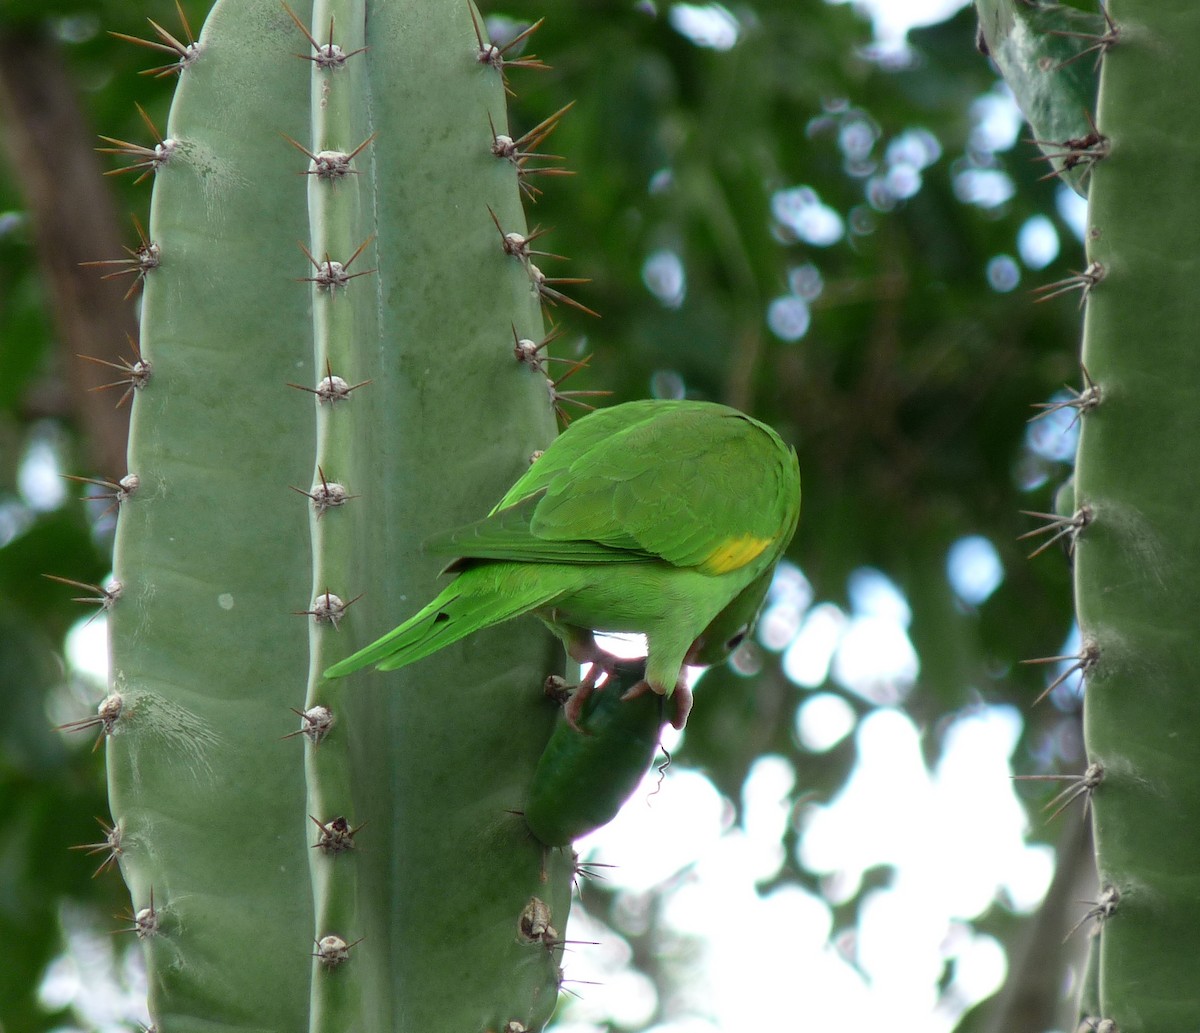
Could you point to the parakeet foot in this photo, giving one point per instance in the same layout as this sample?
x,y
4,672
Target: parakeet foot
x,y
602,663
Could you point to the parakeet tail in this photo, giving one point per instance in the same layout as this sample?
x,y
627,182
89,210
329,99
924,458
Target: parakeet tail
x,y
470,602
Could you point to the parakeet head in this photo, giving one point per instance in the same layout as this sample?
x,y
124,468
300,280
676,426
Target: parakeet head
x,y
733,625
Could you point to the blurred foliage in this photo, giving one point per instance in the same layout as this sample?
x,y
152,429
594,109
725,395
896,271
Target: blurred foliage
x,y
907,397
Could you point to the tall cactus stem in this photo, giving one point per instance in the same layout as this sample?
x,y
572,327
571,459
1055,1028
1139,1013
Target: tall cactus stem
x,y
1136,589
324,218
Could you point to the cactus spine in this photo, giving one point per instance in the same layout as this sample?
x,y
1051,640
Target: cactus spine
x,y
1133,529
329,223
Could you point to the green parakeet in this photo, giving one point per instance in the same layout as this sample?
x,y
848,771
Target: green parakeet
x,y
660,517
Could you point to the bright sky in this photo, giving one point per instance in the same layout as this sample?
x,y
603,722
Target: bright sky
x,y
893,18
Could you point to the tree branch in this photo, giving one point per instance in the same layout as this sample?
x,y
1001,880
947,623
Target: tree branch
x,y
50,145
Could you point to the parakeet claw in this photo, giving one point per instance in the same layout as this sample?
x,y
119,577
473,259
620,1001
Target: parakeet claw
x,y
573,708
682,697
683,706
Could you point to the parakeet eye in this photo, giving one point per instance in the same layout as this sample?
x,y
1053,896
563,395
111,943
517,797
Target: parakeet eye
x,y
737,639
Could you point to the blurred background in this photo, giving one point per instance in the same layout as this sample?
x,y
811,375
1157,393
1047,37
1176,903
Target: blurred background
x,y
827,215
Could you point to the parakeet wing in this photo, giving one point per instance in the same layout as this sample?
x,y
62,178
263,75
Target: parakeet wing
x,y
699,485
506,536
692,483
577,441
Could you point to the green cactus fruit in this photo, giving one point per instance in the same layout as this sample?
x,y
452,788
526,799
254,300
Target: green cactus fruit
x,y
586,774
329,315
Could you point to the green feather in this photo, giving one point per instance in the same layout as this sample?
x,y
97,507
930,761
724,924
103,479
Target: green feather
x,y
483,596
583,435
678,486
673,480
507,536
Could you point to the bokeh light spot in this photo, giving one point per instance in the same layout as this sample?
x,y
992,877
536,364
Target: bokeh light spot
x,y
824,720
973,568
705,25
1003,273
789,317
1037,242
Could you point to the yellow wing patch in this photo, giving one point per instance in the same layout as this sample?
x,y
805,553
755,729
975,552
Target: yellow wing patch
x,y
734,553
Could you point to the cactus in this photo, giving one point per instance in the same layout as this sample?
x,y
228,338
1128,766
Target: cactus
x,y
326,375
1133,531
